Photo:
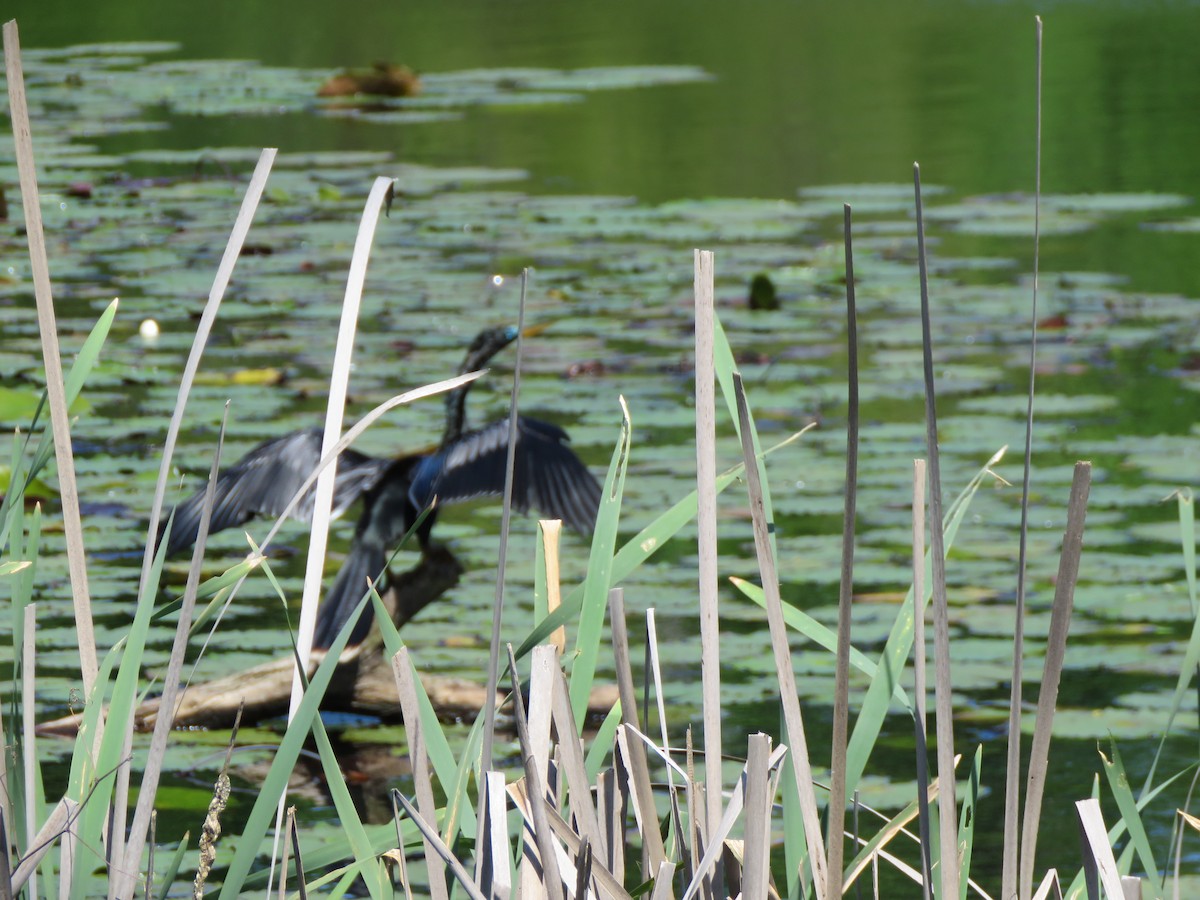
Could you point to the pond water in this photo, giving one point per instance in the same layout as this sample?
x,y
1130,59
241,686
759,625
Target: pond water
x,y
603,177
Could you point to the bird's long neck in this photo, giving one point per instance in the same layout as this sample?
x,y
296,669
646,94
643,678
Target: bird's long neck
x,y
456,412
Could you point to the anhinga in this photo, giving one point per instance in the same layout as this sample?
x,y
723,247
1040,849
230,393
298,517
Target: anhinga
x,y
547,476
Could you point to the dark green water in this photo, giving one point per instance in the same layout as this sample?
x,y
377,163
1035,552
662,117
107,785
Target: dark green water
x,y
803,97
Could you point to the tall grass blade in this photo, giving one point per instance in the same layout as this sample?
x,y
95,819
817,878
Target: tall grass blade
x,y
80,369
48,331
1012,852
339,378
1118,783
638,549
114,738
895,652
944,712
966,822
233,250
797,742
275,783
122,881
370,868
819,633
172,869
1191,657
841,687
1056,649
601,574
706,520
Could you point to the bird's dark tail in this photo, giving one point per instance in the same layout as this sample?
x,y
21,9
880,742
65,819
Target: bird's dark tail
x,y
365,560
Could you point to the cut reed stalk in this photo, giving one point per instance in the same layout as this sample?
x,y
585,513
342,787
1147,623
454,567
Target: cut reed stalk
x,y
418,756
493,839
757,846
944,712
706,521
551,879
797,744
579,792
48,332
1012,853
543,662
551,532
639,769
1056,648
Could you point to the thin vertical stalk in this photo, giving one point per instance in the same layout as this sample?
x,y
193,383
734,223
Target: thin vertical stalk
x,y
919,687
841,687
706,519
48,331
944,711
489,708
1012,781
29,738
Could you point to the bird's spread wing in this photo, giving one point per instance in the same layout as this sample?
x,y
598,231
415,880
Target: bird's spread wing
x,y
547,475
264,481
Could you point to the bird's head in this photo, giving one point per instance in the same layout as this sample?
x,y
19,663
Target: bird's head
x,y
491,341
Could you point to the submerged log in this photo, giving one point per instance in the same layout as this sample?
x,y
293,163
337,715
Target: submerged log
x,y
363,682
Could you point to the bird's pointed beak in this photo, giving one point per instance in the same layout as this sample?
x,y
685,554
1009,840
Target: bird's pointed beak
x,y
532,330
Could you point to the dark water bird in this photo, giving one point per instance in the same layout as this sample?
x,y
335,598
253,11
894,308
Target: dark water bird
x,y
762,293
547,476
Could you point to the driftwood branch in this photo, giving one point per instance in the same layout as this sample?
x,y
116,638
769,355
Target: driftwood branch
x,y
364,682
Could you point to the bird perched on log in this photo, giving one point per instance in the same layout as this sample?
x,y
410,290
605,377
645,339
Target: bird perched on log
x,y
547,476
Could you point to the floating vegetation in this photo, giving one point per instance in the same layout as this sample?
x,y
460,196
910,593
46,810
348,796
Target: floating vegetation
x,y
611,274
